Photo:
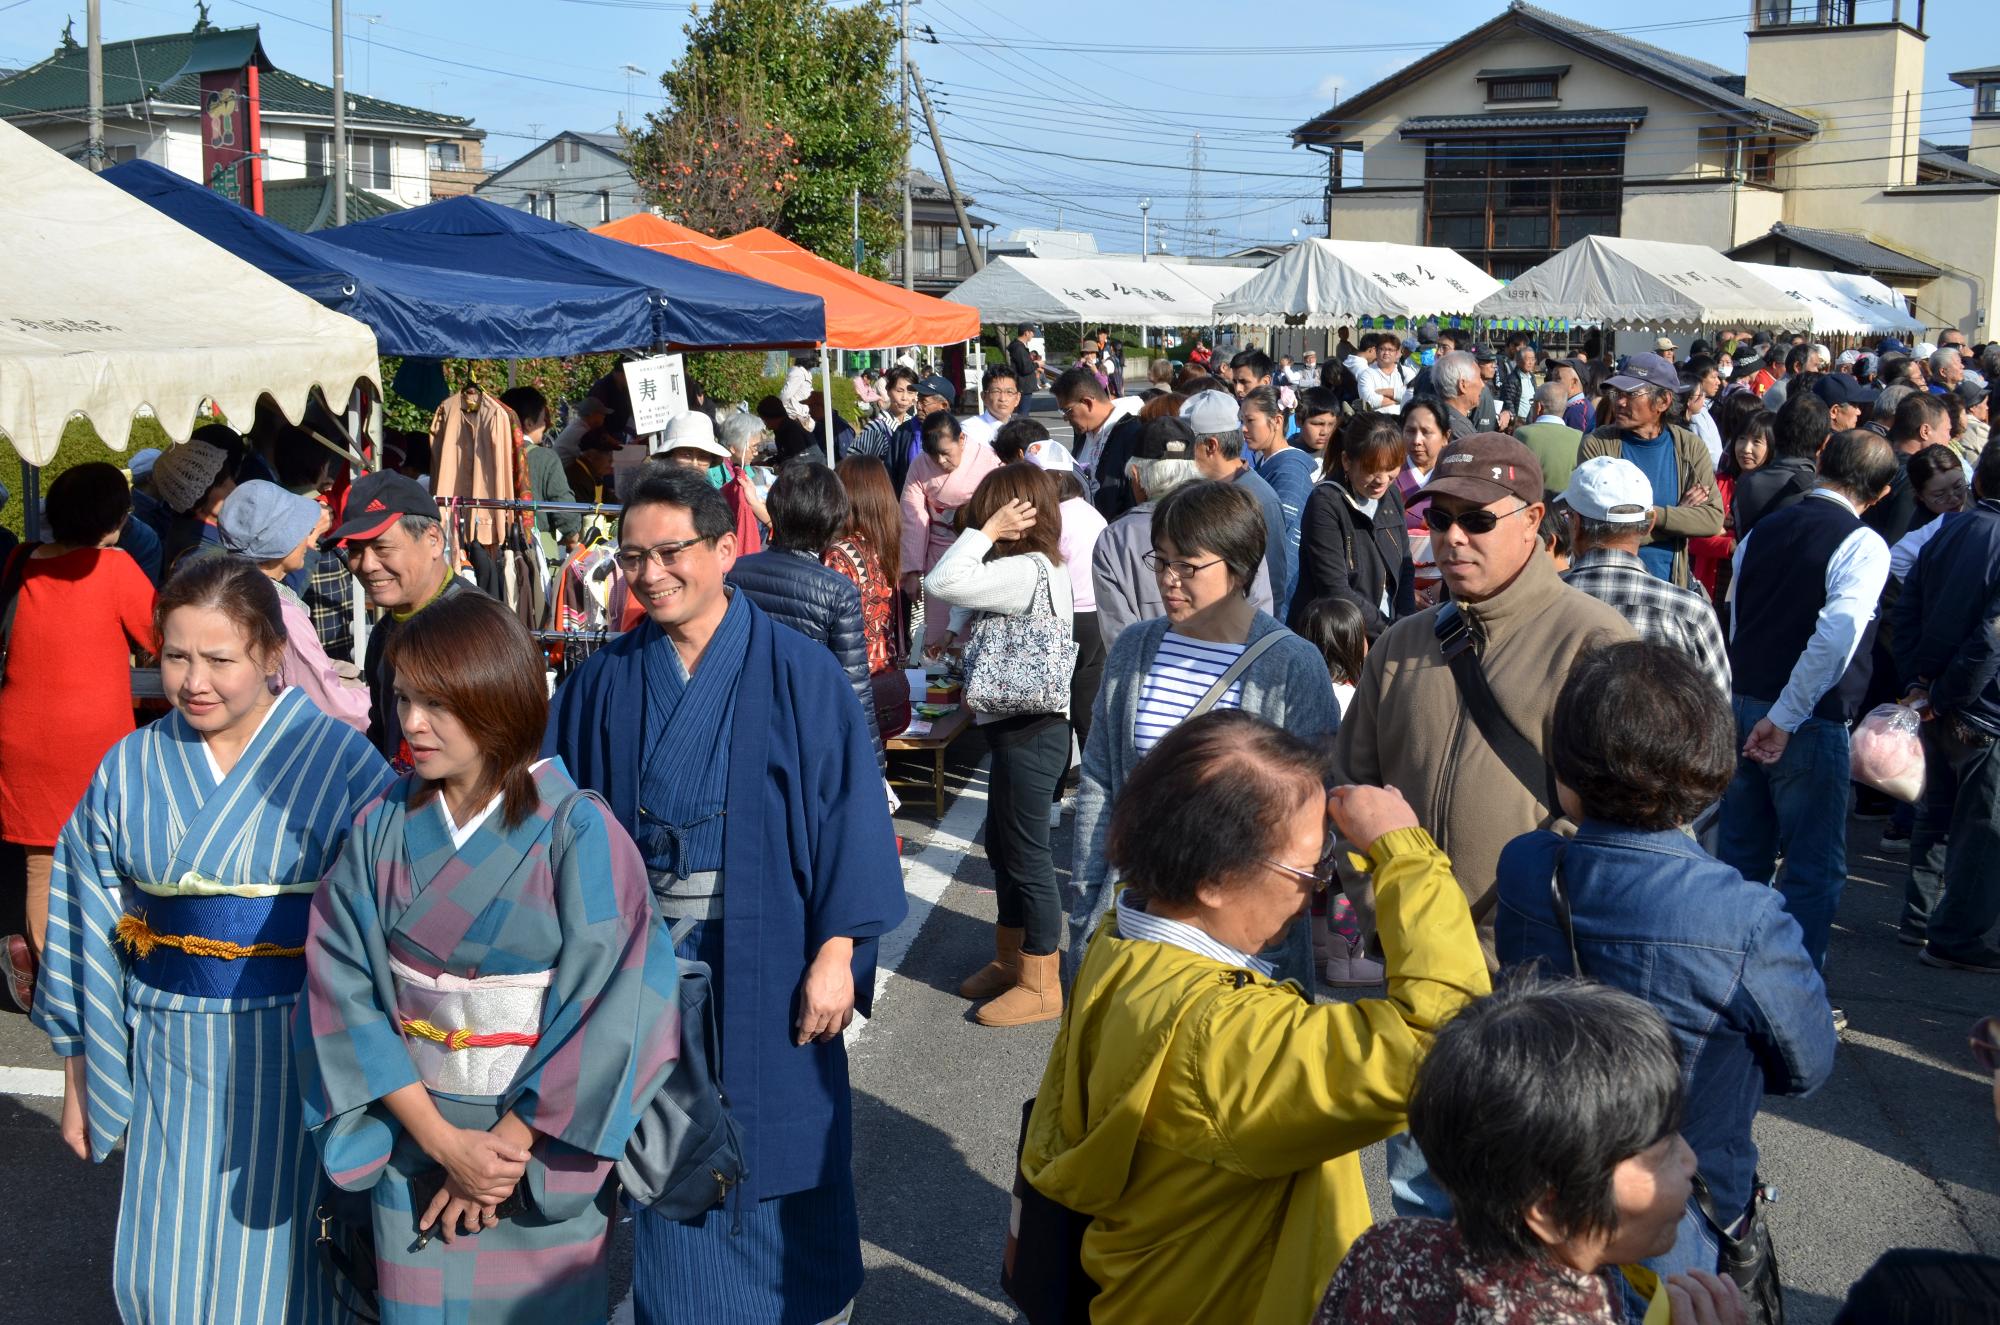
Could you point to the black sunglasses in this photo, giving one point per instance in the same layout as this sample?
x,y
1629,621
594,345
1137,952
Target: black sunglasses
x,y
1477,521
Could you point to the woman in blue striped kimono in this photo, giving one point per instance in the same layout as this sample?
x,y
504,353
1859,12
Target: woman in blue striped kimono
x,y
491,1003
177,919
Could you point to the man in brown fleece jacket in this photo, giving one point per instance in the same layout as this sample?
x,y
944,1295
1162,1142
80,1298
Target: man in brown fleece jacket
x,y
1407,727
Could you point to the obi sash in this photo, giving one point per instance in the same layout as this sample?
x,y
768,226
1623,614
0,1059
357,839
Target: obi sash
x,y
210,940
469,1035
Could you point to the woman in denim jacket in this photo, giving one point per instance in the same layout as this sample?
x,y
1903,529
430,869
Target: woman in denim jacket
x,y
1642,744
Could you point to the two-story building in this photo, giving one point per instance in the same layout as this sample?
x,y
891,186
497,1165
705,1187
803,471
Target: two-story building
x,y
938,257
580,178
209,104
1535,130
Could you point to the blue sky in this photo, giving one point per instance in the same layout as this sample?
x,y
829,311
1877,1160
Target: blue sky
x,y
1050,113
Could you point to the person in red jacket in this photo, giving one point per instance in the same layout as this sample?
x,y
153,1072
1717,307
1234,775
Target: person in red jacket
x,y
81,607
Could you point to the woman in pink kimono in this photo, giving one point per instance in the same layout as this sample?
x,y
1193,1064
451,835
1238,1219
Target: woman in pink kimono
x,y
942,479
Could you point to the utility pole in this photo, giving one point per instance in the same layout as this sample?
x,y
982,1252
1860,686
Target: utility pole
x,y
1145,228
93,146
339,116
909,255
944,165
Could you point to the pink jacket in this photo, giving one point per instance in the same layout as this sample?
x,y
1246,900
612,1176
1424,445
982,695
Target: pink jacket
x,y
306,666
931,499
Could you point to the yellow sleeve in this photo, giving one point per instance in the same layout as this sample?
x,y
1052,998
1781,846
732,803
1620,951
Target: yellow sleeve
x,y
1280,1085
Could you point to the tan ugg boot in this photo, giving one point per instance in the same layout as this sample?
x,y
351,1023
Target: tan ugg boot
x,y
1036,996
1002,971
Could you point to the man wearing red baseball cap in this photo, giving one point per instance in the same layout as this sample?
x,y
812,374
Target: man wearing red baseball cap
x,y
395,549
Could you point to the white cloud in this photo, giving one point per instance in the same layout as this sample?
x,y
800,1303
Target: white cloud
x,y
1329,88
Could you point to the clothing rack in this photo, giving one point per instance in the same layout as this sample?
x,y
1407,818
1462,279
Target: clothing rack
x,y
502,504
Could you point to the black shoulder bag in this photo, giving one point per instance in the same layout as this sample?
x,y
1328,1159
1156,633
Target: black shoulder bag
x,y
11,580
1749,1258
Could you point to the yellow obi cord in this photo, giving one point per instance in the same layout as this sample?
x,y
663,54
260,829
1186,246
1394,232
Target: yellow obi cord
x,y
465,1039
142,938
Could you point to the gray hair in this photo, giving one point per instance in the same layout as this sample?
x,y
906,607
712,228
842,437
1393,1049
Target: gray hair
x,y
1550,398
1949,354
1230,443
1160,477
1888,399
740,432
1453,372
1589,530
416,526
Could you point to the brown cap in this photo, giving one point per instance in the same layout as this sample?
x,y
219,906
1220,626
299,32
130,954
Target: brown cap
x,y
1486,467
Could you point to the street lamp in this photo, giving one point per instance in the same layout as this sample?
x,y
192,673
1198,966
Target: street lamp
x,y
1145,230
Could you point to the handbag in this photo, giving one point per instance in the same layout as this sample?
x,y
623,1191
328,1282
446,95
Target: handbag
x,y
11,580
1020,663
346,1243
1041,1269
686,1154
1748,1258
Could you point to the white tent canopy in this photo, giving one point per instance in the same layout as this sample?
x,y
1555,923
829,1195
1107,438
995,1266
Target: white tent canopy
x,y
111,305
1644,283
1093,291
1842,303
1328,282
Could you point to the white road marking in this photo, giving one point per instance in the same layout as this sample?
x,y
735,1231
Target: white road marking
x,y
926,875
36,1082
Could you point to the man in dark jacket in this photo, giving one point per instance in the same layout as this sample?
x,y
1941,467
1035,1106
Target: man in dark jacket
x,y
1021,358
1801,431
808,511
1949,655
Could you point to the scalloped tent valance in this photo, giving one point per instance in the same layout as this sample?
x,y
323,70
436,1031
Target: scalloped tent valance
x,y
1645,284
111,306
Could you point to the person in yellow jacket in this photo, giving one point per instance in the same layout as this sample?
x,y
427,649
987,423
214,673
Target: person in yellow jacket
x,y
1205,1117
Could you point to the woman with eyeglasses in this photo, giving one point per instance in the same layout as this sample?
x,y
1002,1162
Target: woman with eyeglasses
x,y
1204,1116
1212,650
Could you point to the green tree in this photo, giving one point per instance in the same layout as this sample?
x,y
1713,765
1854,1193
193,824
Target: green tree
x,y
779,111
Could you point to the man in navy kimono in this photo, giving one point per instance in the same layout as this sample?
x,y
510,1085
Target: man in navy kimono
x,y
734,751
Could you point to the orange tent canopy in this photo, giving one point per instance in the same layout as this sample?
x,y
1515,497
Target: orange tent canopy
x,y
856,319
938,321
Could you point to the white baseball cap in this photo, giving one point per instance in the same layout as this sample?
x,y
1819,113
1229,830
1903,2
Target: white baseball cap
x,y
1051,455
692,431
1212,413
1610,489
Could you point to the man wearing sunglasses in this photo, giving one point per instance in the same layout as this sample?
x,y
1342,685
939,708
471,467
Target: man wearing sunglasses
x,y
1411,725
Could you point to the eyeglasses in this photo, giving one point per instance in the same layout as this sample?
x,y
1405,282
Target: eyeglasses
x,y
1182,571
1479,521
1986,1043
1320,877
663,555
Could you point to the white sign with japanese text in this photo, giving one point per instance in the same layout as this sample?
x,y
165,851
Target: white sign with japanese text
x,y
658,388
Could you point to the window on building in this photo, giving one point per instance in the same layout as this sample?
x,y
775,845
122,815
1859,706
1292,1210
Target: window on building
x,y
368,164
603,206
549,201
319,152
1760,160
444,156
1805,13
1507,204
119,153
1522,89
531,204
1986,101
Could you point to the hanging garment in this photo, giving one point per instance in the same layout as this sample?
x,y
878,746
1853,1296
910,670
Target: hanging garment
x,y
479,451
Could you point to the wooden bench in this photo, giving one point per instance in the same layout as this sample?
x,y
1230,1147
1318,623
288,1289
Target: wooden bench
x,y
934,743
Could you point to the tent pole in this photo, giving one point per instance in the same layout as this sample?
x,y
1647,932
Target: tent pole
x,y
31,503
826,400
360,624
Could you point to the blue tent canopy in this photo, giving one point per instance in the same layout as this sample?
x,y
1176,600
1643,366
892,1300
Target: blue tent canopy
x,y
422,311
699,307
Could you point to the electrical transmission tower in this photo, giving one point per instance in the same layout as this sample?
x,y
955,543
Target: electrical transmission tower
x,y
1196,228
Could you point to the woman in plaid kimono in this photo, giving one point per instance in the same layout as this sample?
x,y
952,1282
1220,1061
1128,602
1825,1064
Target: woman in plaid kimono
x,y
490,1001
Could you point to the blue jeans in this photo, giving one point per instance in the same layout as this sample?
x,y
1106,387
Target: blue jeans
x,y
1412,1189
1797,808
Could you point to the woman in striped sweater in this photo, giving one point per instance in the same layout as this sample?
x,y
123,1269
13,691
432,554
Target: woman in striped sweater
x,y
1212,649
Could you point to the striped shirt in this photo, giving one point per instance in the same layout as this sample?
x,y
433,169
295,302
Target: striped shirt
x,y
1134,923
1181,674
